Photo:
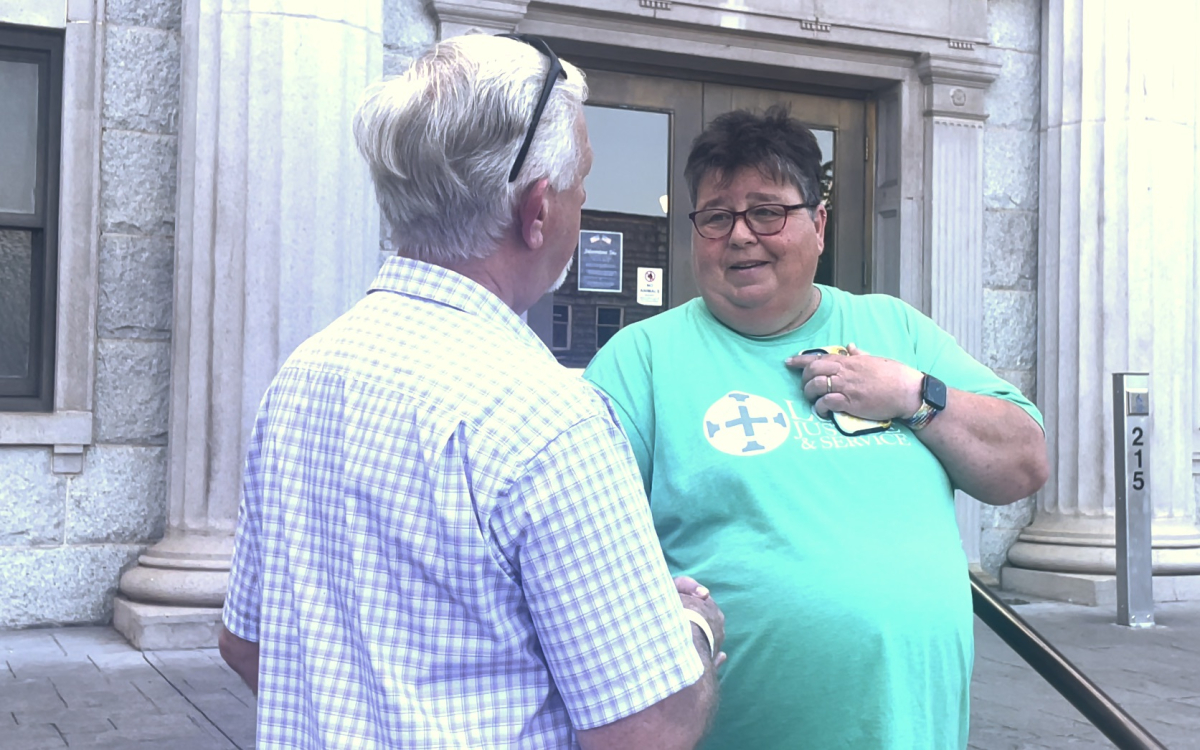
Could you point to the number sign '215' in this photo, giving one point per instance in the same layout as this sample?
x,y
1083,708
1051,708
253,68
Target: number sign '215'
x,y
1139,481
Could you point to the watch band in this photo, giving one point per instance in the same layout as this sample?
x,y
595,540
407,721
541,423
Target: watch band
x,y
698,619
933,400
922,417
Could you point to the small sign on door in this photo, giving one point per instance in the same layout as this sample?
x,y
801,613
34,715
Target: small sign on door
x,y
650,286
600,261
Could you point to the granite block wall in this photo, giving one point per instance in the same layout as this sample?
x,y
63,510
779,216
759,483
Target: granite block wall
x,y
408,30
64,539
1010,228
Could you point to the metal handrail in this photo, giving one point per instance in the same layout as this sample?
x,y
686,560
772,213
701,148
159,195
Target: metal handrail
x,y
1063,676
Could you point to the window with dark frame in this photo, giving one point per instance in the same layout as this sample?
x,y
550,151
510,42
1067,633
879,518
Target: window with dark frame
x,y
608,322
560,332
31,62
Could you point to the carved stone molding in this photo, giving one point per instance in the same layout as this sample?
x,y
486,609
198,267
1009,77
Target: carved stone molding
x,y
954,258
851,24
954,86
67,459
952,91
457,17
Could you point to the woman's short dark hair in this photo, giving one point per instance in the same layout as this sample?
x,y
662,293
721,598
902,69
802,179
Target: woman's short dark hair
x,y
773,143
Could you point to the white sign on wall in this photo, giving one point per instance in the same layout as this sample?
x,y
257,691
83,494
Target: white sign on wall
x,y
649,286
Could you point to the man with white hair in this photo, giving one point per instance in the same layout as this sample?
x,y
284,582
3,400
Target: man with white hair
x,y
443,539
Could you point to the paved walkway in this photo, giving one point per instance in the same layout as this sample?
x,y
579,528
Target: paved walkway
x,y
87,688
1154,674
84,687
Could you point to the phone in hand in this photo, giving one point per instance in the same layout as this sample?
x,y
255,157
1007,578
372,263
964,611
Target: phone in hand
x,y
848,424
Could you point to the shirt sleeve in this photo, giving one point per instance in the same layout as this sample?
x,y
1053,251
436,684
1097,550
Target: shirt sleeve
x,y
601,599
940,355
243,600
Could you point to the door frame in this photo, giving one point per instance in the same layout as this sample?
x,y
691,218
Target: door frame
x,y
926,231
692,104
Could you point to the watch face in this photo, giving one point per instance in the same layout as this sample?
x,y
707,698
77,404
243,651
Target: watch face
x,y
933,392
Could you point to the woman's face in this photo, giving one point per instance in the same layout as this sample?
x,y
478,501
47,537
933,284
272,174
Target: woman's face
x,y
758,285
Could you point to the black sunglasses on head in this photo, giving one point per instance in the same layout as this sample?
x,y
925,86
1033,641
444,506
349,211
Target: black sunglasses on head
x,y
552,75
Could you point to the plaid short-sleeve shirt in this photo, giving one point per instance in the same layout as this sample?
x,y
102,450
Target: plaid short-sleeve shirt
x,y
443,539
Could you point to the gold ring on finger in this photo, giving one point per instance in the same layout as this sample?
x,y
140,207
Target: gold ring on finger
x,y
829,384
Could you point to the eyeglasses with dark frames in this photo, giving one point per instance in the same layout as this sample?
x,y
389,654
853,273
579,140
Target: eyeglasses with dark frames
x,y
552,75
764,220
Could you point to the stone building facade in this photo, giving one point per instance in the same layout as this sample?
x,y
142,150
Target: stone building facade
x,y
1030,182
73,516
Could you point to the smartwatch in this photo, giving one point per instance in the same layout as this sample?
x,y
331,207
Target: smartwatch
x,y
933,400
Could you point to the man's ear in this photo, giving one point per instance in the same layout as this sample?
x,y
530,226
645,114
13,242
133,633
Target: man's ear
x,y
532,213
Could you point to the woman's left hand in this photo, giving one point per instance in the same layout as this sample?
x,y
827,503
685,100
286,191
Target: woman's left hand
x,y
858,383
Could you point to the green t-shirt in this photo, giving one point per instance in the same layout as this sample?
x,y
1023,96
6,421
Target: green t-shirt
x,y
836,559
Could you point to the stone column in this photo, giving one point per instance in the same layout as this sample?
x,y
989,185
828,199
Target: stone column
x,y
1116,269
953,251
1196,305
277,234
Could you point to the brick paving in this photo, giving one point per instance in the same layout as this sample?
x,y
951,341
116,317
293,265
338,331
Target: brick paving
x,y
85,687
1154,674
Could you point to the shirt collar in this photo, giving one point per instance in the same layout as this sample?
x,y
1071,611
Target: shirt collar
x,y
415,278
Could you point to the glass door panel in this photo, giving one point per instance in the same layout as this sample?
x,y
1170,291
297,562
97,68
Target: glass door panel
x,y
840,128
678,104
640,128
624,232
825,141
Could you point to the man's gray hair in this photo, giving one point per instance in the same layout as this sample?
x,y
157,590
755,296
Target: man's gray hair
x,y
440,141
